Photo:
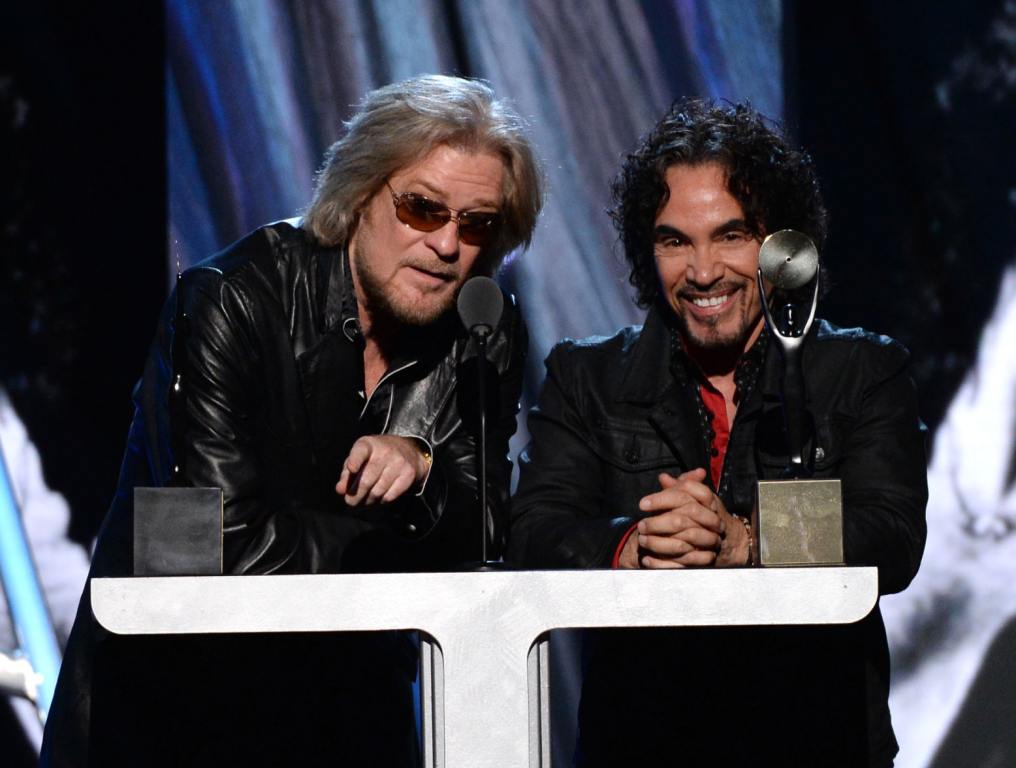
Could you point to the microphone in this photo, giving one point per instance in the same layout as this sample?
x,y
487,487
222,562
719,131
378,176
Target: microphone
x,y
480,305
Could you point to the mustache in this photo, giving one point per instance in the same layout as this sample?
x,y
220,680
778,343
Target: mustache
x,y
447,273
691,290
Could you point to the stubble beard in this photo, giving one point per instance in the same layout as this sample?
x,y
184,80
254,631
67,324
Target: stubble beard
x,y
706,334
381,302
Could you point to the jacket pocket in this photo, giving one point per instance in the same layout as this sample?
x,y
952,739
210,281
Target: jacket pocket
x,y
825,449
830,437
631,449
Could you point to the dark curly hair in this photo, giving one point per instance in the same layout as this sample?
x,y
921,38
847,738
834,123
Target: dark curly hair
x,y
774,184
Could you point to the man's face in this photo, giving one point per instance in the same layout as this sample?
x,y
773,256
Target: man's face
x,y
706,259
413,277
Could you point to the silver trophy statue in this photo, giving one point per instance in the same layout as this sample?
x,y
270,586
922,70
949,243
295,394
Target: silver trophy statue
x,y
799,521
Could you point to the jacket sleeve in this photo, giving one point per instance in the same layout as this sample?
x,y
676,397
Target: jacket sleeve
x,y
215,429
220,437
450,500
884,474
560,517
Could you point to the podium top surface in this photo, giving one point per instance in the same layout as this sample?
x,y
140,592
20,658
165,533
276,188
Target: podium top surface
x,y
487,709
530,602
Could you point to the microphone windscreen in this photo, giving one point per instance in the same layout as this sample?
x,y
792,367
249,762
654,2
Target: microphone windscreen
x,y
788,259
480,305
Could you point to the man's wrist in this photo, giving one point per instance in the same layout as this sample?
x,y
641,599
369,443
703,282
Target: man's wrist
x,y
427,457
627,553
424,460
750,556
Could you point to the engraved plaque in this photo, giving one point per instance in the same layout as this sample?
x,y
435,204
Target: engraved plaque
x,y
799,522
177,531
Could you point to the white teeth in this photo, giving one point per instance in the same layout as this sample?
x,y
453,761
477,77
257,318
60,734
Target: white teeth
x,y
713,301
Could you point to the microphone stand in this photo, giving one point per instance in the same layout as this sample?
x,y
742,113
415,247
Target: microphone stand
x,y
480,334
481,304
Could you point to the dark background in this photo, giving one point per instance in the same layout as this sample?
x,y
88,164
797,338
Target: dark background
x,y
83,260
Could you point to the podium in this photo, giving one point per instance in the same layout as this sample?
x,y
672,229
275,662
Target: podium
x,y
484,652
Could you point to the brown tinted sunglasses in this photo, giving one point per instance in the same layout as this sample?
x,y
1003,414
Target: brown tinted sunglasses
x,y
478,228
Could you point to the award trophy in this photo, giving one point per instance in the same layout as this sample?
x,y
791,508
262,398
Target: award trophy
x,y
798,520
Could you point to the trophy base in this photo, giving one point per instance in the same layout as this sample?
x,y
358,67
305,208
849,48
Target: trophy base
x,y
799,522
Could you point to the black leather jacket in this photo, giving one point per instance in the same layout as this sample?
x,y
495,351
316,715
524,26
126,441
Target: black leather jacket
x,y
265,322
614,413
263,328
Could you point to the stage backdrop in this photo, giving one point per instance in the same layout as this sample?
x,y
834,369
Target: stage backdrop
x,y
901,109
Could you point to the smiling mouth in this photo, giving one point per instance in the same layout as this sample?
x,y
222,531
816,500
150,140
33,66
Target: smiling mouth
x,y
714,301
710,301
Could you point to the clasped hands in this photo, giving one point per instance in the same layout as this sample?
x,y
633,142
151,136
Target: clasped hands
x,y
688,526
380,468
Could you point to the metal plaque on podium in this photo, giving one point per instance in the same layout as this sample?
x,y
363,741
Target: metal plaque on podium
x,y
799,522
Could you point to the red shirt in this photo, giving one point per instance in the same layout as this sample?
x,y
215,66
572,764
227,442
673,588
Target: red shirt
x,y
716,405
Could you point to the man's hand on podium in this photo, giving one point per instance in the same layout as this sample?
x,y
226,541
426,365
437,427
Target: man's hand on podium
x,y
688,526
380,468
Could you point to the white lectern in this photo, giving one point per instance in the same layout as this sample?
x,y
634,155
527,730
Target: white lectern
x,y
484,668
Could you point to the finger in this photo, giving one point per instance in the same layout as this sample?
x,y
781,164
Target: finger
x,y
668,480
399,486
699,491
663,563
384,481
664,546
692,483
342,486
700,558
689,514
365,480
669,523
359,455
671,498
679,492
699,538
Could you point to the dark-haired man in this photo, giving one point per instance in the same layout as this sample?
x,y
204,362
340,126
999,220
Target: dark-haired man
x,y
316,372
646,447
